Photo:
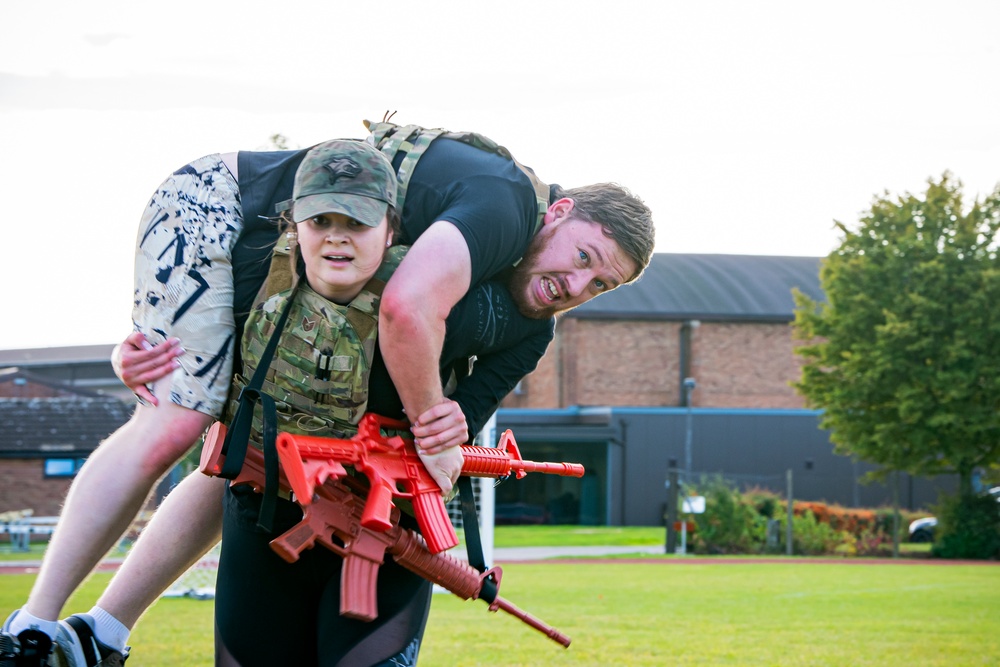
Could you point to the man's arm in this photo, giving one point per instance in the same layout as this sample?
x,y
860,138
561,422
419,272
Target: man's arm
x,y
430,280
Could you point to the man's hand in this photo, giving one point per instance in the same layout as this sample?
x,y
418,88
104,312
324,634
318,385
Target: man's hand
x,y
137,363
440,428
437,433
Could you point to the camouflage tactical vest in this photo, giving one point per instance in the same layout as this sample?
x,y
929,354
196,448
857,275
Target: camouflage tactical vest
x,y
318,377
414,140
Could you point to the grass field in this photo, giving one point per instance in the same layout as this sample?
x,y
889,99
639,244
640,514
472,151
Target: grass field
x,y
668,611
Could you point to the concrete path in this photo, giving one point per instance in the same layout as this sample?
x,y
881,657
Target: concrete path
x,y
500,555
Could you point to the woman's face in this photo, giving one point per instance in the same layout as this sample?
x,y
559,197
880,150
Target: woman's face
x,y
341,254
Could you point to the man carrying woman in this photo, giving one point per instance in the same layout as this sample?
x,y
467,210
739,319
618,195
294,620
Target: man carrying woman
x,y
576,254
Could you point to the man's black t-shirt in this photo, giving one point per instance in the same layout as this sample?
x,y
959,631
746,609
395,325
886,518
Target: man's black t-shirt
x,y
486,196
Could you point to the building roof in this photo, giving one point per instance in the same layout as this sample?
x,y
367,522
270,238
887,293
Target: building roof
x,y
75,369
56,356
711,287
18,383
69,427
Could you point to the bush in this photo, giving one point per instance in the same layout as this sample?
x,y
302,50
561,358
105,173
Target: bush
x,y
968,527
730,525
767,503
737,523
847,519
813,537
873,542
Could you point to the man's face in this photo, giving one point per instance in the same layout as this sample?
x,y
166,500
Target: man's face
x,y
569,262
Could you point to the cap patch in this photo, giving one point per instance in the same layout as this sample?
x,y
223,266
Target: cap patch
x,y
342,167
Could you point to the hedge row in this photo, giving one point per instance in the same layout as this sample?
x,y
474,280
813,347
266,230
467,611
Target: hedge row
x,y
742,523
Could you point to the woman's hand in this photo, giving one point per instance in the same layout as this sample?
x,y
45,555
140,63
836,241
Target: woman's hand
x,y
437,434
137,363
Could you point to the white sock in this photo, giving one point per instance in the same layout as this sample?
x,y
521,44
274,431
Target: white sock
x,y
108,629
21,620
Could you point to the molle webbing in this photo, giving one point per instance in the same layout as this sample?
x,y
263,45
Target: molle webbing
x,y
414,140
279,274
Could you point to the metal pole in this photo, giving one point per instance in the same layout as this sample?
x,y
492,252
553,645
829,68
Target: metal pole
x,y
487,496
689,385
672,498
895,514
857,494
788,528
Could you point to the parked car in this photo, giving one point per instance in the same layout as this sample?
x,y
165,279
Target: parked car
x,y
922,530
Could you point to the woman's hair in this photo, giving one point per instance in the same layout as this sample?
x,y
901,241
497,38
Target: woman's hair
x,y
395,223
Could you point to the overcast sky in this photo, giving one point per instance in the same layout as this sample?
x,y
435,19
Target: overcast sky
x,y
748,127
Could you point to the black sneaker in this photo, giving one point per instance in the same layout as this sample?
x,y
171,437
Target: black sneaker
x,y
76,646
9,648
31,648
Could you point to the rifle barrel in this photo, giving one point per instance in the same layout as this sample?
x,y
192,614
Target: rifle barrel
x,y
495,462
537,624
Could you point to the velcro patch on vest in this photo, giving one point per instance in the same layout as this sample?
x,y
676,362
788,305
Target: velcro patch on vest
x,y
338,363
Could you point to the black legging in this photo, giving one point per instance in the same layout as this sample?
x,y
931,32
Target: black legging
x,y
269,612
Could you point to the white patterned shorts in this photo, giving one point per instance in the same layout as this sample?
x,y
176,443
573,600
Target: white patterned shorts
x,y
184,278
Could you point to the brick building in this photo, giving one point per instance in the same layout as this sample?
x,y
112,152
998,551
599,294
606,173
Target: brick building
x,y
47,430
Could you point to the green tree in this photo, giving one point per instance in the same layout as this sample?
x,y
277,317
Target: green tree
x,y
278,142
904,356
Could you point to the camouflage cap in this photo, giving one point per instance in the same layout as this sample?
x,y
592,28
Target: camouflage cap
x,y
342,176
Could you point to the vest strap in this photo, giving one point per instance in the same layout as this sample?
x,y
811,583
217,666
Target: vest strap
x,y
470,524
409,162
414,140
238,433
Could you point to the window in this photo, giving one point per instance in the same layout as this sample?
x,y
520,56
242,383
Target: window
x,y
62,467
